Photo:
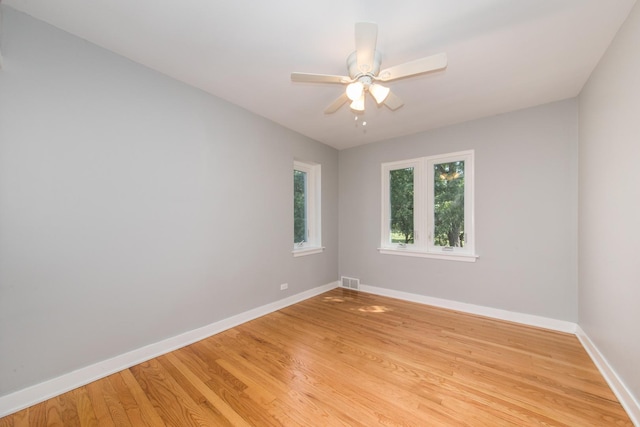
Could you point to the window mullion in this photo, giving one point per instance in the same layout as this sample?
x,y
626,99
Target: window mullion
x,y
419,205
429,204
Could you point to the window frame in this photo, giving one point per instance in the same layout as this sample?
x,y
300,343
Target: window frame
x,y
424,209
313,242
417,203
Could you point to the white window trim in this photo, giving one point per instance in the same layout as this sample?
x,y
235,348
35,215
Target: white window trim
x,y
313,245
424,210
424,254
418,203
307,251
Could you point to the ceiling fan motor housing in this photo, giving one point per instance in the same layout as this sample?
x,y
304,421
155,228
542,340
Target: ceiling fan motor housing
x,y
352,66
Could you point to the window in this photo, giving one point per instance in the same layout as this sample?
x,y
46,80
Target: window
x,y
427,207
307,232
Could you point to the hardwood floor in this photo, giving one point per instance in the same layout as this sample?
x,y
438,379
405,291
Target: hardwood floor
x,y
352,359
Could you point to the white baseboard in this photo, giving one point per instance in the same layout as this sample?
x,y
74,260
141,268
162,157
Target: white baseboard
x,y
511,316
627,400
29,396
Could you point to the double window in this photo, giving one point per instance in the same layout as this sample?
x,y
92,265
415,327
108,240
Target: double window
x,y
307,232
427,207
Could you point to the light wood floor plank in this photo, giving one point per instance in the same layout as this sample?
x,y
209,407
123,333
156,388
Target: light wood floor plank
x,y
106,403
173,404
38,415
228,388
20,419
225,410
147,412
357,383
7,421
54,413
129,403
209,410
280,409
346,358
84,408
303,390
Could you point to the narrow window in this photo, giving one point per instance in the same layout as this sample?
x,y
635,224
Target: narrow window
x,y
299,207
307,232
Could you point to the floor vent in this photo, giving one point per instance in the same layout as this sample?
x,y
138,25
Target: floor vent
x,y
349,282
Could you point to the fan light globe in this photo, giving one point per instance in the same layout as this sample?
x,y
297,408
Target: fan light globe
x,y
379,92
355,91
358,104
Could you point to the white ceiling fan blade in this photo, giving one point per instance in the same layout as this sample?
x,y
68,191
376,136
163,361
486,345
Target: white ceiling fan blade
x,y
419,66
393,102
318,78
335,105
366,38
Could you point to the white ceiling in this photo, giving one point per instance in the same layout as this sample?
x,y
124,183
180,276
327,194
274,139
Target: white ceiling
x,y
503,54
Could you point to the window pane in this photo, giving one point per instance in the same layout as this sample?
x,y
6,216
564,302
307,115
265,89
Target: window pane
x,y
299,206
401,204
449,204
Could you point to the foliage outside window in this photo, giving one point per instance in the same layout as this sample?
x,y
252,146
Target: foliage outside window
x,y
299,206
448,208
427,207
401,205
306,209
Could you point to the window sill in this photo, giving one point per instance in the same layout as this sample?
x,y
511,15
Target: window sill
x,y
433,255
308,251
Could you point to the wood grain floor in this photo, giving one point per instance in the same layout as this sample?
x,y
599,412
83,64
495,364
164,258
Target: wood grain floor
x,y
351,359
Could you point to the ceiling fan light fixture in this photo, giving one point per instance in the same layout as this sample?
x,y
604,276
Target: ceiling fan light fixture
x,y
363,66
358,104
379,92
355,91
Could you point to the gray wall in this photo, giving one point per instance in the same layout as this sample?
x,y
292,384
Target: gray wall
x,y
526,214
134,208
609,231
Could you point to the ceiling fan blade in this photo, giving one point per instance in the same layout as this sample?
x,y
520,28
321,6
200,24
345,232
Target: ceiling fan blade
x,y
366,38
419,66
318,78
393,102
335,105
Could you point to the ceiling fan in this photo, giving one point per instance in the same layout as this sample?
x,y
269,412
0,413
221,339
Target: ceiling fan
x,y
364,73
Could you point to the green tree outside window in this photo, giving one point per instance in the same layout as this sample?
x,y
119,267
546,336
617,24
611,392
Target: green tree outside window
x,y
401,194
299,206
449,204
